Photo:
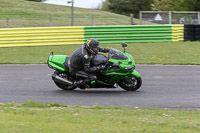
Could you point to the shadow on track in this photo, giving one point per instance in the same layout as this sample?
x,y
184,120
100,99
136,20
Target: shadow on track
x,y
97,92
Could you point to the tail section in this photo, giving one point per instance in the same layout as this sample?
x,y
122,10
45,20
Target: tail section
x,y
57,62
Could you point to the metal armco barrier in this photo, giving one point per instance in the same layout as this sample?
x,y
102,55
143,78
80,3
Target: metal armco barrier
x,y
136,33
177,33
15,37
41,36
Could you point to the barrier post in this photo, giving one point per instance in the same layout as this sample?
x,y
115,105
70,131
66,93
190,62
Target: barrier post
x,y
50,22
92,19
140,17
7,23
131,15
198,17
170,17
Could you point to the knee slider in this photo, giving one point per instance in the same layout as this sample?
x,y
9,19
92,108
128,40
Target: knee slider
x,y
93,77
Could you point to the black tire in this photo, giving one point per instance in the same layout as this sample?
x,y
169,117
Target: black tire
x,y
197,26
197,38
187,37
197,33
189,34
136,81
189,30
63,86
189,25
197,29
191,40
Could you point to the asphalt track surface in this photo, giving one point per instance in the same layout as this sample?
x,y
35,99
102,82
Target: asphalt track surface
x,y
164,86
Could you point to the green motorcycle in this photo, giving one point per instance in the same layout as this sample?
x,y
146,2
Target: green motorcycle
x,y
120,71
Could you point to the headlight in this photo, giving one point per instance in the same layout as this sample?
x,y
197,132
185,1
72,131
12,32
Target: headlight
x,y
130,68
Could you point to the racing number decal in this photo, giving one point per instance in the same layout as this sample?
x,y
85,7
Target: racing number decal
x,y
89,42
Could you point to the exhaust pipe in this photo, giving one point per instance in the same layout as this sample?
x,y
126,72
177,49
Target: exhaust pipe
x,y
57,78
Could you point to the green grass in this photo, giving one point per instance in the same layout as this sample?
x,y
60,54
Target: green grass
x,y
187,53
33,117
22,13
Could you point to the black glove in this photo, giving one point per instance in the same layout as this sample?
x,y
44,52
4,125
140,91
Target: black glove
x,y
108,66
101,67
115,65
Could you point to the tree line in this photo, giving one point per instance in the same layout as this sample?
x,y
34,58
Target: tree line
x,y
37,0
126,7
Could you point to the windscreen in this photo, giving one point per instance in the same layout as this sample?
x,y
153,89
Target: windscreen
x,y
115,54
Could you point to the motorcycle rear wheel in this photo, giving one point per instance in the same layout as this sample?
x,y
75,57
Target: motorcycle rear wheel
x,y
135,84
63,86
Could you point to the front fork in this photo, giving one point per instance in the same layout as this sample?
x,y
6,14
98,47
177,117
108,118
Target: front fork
x,y
130,80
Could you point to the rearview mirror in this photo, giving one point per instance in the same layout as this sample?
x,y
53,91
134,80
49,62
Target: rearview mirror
x,y
124,44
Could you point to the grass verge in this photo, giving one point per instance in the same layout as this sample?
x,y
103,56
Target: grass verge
x,y
23,13
45,117
184,53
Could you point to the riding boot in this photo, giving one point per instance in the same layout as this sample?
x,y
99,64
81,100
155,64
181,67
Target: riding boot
x,y
79,83
82,84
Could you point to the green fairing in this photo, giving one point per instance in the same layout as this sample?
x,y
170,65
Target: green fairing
x,y
122,65
135,74
57,62
122,72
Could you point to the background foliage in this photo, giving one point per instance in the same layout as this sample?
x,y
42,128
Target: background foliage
x,y
176,5
126,7
37,0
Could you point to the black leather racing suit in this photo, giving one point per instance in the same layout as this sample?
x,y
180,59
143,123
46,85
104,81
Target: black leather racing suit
x,y
79,63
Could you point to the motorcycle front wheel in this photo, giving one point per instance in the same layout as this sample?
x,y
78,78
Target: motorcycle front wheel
x,y
132,84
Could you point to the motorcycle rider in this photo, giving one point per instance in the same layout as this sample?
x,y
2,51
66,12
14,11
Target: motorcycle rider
x,y
79,62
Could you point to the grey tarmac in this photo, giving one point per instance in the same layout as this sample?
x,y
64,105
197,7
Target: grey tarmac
x,y
164,86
